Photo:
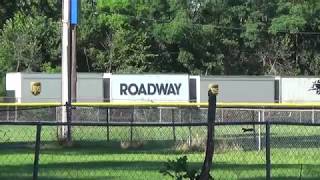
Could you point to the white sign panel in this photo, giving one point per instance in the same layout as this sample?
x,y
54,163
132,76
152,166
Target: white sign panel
x,y
149,88
300,89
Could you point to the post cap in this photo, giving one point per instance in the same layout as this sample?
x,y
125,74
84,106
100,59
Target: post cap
x,y
213,89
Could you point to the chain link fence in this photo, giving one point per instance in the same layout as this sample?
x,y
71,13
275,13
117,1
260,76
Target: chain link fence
x,y
126,143
159,114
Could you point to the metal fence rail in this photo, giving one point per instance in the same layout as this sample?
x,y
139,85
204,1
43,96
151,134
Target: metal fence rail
x,y
110,150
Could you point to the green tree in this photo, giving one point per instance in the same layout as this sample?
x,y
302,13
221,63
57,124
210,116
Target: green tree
x,y
238,37
26,42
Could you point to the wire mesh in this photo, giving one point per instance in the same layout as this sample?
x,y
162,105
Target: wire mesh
x,y
16,114
16,152
134,151
124,153
159,114
239,152
295,152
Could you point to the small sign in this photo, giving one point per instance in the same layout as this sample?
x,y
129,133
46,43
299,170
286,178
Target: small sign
x,y
35,88
315,87
74,12
154,88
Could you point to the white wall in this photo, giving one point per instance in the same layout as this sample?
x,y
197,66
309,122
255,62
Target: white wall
x,y
13,83
299,90
89,86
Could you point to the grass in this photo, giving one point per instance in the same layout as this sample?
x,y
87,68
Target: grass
x,y
295,152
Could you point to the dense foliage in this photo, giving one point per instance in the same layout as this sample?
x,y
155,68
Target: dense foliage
x,y
206,37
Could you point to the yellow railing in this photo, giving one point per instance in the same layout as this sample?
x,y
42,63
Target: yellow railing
x,y
35,104
250,105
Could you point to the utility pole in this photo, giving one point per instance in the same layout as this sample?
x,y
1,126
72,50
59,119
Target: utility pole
x,y
74,23
74,63
65,95
73,68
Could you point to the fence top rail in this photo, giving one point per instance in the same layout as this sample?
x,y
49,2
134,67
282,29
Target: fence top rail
x,y
126,124
263,105
48,123
33,104
248,105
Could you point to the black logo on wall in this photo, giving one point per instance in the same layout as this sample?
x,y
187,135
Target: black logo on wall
x,y
316,87
150,89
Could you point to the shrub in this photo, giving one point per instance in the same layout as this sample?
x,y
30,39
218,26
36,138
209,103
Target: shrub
x,y
179,169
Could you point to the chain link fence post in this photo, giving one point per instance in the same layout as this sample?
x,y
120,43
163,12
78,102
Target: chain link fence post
x,y
268,158
69,120
259,130
189,127
131,127
173,126
108,128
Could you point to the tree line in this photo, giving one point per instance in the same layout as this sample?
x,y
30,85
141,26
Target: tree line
x,y
203,37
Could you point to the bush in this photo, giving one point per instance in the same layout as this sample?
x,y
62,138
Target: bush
x,y
179,169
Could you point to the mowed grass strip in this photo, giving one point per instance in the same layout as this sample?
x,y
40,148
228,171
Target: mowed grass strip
x,y
294,154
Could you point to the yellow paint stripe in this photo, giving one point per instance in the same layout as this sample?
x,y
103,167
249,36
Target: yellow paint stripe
x,y
204,104
173,104
35,104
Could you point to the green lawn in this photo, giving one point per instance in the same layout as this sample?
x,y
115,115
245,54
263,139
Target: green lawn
x,y
295,152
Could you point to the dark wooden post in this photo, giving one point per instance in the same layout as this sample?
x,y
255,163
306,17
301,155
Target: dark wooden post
x,y
212,93
37,153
